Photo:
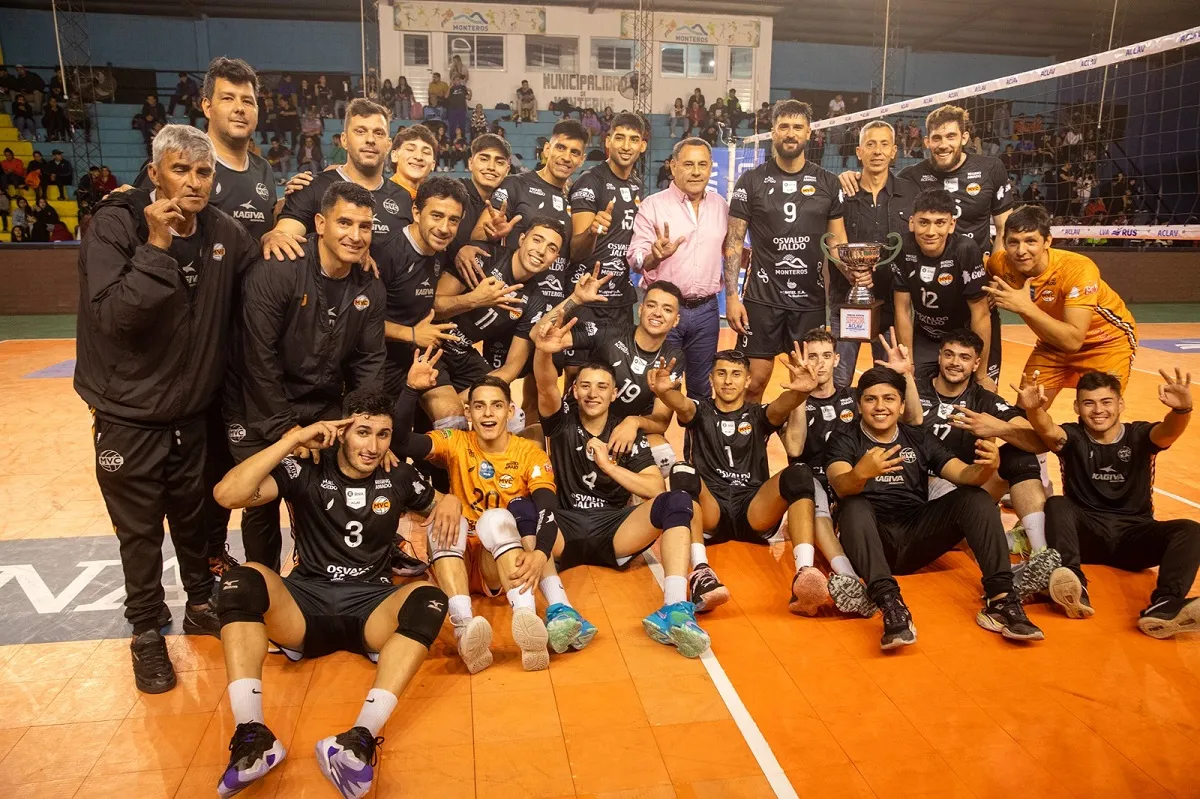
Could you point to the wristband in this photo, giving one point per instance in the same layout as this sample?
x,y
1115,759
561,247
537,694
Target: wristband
x,y
1181,411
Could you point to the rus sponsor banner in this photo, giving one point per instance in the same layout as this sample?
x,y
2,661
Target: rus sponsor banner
x,y
697,30
456,18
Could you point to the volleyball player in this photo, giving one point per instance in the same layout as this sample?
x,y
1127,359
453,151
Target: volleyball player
x,y
489,164
787,204
413,154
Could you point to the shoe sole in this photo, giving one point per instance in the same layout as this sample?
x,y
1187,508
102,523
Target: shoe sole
x,y
1035,578
712,600
530,634
810,594
475,645
656,634
583,639
849,595
1188,620
323,763
690,643
192,629
898,642
155,689
1067,592
562,632
991,625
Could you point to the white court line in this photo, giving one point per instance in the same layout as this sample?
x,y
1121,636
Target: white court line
x,y
741,716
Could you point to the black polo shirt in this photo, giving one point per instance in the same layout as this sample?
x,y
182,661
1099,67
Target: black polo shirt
x,y
870,218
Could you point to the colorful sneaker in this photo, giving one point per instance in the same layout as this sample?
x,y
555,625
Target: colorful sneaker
x,y
1069,593
810,592
675,625
1018,541
1033,576
898,627
586,633
529,632
475,643
850,595
348,761
563,626
254,751
219,564
1166,617
1007,616
705,590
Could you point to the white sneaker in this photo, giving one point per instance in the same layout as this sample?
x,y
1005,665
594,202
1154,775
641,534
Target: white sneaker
x,y
529,631
475,644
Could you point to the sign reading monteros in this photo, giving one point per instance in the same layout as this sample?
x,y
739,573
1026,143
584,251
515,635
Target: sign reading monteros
x,y
456,18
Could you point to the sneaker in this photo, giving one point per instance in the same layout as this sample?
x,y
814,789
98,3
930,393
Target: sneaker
x,y
201,620
705,590
849,595
348,761
675,625
810,592
254,751
1166,617
405,564
1018,541
566,628
152,669
529,632
898,627
1069,593
1007,616
222,563
475,644
1033,576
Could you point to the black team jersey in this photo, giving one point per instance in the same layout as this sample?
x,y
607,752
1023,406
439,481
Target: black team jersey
x,y
593,192
898,493
470,217
410,276
490,324
1115,478
980,189
393,207
345,527
528,195
941,286
247,195
617,346
938,409
824,416
788,213
580,483
729,448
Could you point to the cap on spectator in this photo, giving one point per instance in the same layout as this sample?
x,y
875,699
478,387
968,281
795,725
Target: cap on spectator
x,y
56,152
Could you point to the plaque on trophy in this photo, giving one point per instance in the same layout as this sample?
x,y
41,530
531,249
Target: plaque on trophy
x,y
859,315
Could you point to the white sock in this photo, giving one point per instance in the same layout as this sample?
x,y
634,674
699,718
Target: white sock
x,y
245,698
460,609
1035,529
517,600
553,590
675,587
804,554
698,555
376,710
842,565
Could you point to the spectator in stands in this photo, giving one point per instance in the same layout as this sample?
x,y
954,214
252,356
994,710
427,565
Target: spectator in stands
x,y
34,179
324,95
592,122
1002,120
279,157
439,90
606,122
152,114
311,123
8,89
387,96
733,110
443,148
12,172
59,173
678,118
663,178
5,205
87,192
185,91
32,86
108,181
526,104
20,235
762,119
21,219
456,107
849,143
59,232
104,84
459,153
58,89
404,99
306,95
479,123
1095,211
288,121
337,155
837,106
497,129
1033,194
309,157
372,85
1009,159
697,115
268,116
44,220
286,89
54,120
718,103
458,69
816,143
1123,205
22,116
698,97
709,132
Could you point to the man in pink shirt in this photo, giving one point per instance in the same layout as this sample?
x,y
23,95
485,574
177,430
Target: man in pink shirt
x,y
678,235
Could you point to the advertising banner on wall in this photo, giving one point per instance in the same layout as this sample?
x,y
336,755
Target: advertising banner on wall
x,y
458,18
697,30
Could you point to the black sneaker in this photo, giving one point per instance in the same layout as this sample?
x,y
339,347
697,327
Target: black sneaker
x,y
222,563
1166,617
1069,593
201,620
898,627
405,564
152,669
705,590
348,761
1007,617
254,750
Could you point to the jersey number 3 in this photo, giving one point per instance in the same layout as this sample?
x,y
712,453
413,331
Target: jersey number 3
x,y
353,535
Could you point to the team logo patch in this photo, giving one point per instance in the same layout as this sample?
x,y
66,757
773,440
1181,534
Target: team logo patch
x,y
505,481
261,190
908,455
744,428
361,302
218,251
728,426
499,195
950,184
828,413
945,279
808,191
927,273
626,195
558,202
486,470
846,415
1124,454
356,498
110,460
944,410
329,485
1047,295
291,466
380,506
236,433
789,187
638,365
973,189
391,206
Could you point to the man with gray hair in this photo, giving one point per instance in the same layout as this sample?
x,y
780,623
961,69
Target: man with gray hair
x,y
881,204
158,272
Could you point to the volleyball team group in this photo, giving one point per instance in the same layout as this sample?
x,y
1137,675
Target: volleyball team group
x,y
350,350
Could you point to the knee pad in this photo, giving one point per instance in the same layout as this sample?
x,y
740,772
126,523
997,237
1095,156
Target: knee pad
x,y
526,515
1017,466
796,483
420,617
497,531
451,423
243,596
820,501
672,509
683,478
455,550
664,458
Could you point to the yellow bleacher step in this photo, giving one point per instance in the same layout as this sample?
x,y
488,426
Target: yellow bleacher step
x,y
6,121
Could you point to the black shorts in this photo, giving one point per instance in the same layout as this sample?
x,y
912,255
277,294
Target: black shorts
x,y
773,330
395,372
464,366
335,614
496,353
588,536
605,318
733,524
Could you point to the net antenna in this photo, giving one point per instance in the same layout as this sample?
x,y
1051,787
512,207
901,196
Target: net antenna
x,y
74,48
1117,128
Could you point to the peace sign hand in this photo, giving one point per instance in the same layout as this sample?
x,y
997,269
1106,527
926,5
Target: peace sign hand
x,y
1176,393
498,226
663,248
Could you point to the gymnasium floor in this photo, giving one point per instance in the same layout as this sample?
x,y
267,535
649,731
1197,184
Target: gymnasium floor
x,y
783,706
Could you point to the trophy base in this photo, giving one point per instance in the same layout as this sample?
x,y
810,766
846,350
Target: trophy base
x,y
858,322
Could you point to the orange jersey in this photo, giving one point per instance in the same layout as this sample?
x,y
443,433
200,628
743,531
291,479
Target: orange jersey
x,y
1073,281
485,480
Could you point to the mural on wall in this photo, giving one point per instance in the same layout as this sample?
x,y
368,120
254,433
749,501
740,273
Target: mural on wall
x,y
697,30
456,18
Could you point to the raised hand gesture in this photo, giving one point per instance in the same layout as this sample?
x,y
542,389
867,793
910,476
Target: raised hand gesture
x,y
497,225
587,290
423,374
987,454
879,461
427,332
661,379
551,337
1005,297
602,222
1176,392
318,436
494,292
663,248
803,374
1031,395
898,358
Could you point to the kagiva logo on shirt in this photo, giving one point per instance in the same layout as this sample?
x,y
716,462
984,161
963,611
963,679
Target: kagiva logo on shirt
x,y
391,206
361,302
945,279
